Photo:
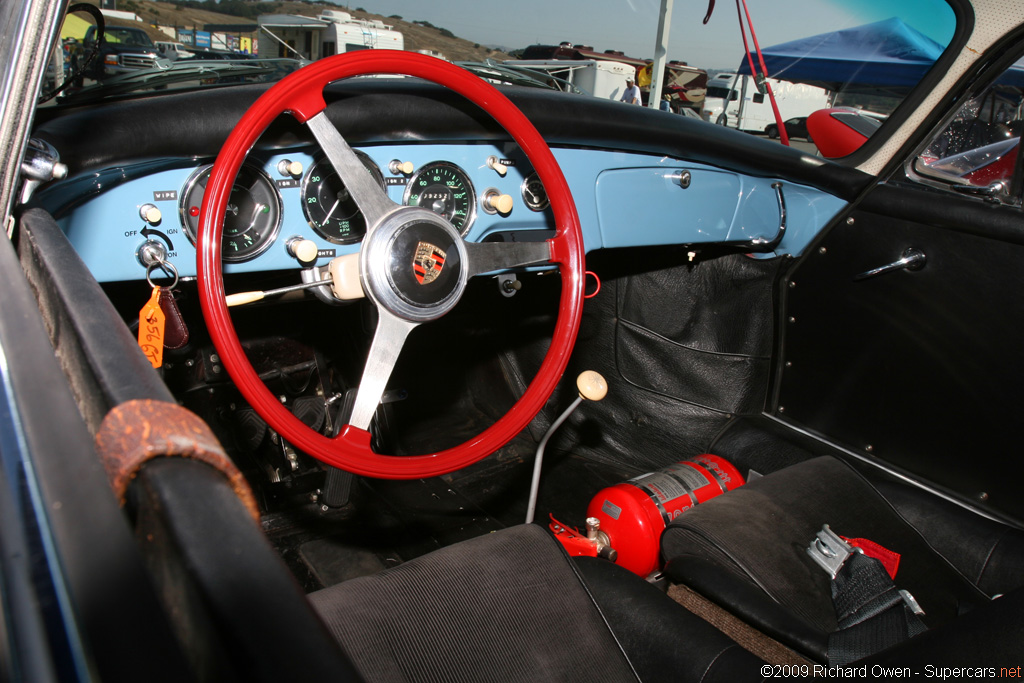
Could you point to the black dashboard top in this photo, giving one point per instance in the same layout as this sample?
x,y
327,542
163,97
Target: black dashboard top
x,y
369,110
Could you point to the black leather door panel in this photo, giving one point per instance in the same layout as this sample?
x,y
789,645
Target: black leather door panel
x,y
922,370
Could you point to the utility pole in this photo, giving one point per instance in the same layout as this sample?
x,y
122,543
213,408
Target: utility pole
x,y
660,55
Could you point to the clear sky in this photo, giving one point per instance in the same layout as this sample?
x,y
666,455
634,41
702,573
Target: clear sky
x,y
631,25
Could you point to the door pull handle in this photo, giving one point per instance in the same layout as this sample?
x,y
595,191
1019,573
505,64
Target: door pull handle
x,y
912,259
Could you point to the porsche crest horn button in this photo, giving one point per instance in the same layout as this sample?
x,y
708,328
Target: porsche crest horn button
x,y
428,262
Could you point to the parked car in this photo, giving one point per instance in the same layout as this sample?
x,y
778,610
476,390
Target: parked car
x,y
310,376
839,131
123,49
172,50
795,128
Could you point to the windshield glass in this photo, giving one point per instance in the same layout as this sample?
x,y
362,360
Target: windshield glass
x,y
861,54
128,37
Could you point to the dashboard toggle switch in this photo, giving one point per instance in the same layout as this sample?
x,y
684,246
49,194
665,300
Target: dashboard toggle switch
x,y
494,163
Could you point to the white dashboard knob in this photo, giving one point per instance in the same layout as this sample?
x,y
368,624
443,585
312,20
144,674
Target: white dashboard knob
x,y
150,214
502,203
305,251
401,167
289,168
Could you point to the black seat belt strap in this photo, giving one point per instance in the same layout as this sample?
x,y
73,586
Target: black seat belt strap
x,y
871,612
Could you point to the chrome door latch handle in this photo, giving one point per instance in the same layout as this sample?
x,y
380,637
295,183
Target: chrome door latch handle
x,y
912,259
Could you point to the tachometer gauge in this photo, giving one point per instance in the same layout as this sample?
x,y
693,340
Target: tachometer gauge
x,y
329,208
446,190
534,195
252,218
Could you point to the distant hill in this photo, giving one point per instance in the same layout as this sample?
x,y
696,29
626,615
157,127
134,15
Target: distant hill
x,y
418,36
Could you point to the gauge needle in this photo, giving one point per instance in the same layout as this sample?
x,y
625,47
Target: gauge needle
x,y
256,214
331,212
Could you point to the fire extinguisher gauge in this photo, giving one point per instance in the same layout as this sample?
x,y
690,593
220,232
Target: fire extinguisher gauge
x,y
592,386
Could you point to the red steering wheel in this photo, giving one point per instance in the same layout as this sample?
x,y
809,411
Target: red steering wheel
x,y
399,241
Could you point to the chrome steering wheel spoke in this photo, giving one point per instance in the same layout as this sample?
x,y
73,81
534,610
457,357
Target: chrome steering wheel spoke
x,y
489,257
369,197
387,344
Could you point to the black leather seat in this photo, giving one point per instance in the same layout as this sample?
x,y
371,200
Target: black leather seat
x,y
512,606
746,551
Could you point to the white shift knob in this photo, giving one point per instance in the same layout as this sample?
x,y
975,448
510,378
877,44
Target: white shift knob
x,y
592,385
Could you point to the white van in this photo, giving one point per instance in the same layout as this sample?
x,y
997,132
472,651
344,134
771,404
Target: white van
x,y
598,77
171,50
734,100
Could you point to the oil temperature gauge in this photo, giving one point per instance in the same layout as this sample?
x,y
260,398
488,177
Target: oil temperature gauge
x,y
446,190
534,195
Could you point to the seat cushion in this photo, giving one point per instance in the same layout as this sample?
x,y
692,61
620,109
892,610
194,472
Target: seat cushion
x,y
759,533
507,606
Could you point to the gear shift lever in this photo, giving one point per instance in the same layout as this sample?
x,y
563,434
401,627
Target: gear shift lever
x,y
592,387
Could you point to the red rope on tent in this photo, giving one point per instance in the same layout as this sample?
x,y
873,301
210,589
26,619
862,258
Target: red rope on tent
x,y
783,134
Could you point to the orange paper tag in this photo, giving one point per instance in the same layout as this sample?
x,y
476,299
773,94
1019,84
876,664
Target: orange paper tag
x,y
151,329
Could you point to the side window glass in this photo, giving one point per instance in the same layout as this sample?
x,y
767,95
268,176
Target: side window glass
x,y
976,153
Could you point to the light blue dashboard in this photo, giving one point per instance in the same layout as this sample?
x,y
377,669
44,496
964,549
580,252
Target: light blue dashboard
x,y
623,199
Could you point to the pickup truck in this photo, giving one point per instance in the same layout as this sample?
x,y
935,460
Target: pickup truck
x,y
122,50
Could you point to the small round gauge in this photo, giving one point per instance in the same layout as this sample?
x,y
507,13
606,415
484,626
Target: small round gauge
x,y
446,190
534,195
329,208
251,220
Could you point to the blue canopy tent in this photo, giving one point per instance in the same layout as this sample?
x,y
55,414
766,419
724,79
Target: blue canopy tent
x,y
887,55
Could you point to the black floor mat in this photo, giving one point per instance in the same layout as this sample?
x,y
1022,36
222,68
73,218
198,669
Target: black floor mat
x,y
391,522
331,560
395,521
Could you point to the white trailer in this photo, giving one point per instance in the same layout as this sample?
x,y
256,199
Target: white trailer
x,y
598,77
346,34
734,100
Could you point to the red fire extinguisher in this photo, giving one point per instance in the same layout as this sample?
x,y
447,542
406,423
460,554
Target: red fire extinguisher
x,y
631,515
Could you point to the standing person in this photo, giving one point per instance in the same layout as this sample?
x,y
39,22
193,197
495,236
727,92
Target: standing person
x,y
632,94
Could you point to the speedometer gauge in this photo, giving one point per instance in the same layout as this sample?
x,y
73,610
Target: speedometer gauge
x,y
252,217
446,190
329,208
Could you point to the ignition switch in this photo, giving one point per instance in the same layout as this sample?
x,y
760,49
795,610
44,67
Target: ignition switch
x,y
151,252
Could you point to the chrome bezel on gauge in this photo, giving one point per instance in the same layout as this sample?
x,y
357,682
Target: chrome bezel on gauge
x,y
306,190
530,198
266,237
462,226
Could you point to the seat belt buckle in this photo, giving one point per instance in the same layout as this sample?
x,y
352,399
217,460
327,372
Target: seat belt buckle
x,y
911,603
830,551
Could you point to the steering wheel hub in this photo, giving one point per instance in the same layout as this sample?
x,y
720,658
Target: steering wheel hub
x,y
414,265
